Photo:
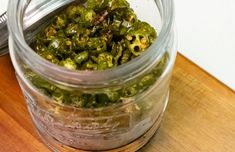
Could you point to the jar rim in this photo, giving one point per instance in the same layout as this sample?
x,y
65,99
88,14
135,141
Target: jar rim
x,y
89,79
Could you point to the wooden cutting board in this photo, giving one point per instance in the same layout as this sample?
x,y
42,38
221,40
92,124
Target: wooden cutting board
x,y
200,116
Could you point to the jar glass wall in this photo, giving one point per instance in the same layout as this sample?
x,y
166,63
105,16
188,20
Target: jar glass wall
x,y
141,85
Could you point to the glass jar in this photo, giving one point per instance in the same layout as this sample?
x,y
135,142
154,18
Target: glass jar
x,y
137,115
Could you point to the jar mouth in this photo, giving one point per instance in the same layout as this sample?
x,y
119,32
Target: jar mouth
x,y
91,79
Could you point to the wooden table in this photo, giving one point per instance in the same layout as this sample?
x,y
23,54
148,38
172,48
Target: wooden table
x,y
200,116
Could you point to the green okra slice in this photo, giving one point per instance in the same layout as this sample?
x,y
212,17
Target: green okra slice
x,y
96,35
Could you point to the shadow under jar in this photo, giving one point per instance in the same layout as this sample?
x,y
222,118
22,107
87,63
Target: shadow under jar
x,y
115,126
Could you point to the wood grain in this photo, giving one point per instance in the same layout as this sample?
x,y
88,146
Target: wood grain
x,y
200,116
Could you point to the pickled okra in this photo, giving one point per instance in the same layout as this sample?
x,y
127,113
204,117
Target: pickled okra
x,y
96,35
